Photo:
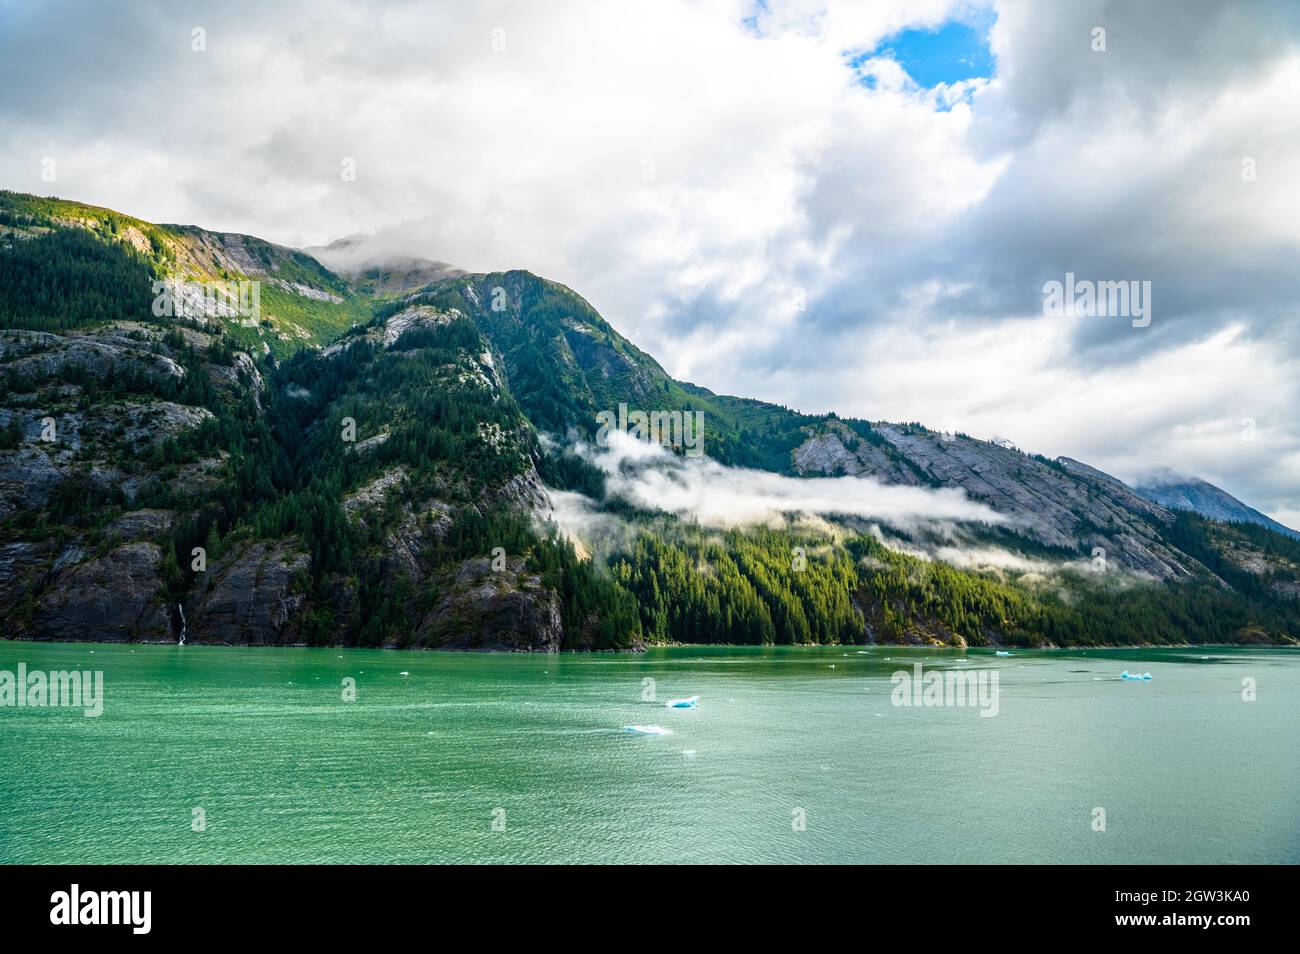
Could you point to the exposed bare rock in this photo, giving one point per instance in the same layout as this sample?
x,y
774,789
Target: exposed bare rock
x,y
88,438
1176,492
370,444
419,524
1272,566
142,524
386,335
837,451
1063,504
28,476
32,472
96,353
417,316
306,291
488,609
826,454
596,354
524,493
373,494
233,377
138,424
113,598
200,252
248,596
1286,589
24,569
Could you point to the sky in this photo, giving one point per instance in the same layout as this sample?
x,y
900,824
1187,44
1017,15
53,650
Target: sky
x,y
833,206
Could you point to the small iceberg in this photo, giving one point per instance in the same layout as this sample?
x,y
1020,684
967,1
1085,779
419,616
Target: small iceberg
x,y
1145,677
1001,653
690,703
647,730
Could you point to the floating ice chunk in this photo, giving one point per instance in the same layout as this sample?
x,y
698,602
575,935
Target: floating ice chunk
x,y
1144,677
403,673
647,730
690,703
1001,653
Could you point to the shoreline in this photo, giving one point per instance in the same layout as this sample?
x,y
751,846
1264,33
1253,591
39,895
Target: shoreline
x,y
640,650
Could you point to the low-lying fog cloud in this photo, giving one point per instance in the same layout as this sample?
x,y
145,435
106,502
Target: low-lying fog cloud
x,y
715,495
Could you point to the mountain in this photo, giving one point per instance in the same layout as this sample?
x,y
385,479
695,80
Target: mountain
x,y
566,364
374,272
351,460
1174,492
115,257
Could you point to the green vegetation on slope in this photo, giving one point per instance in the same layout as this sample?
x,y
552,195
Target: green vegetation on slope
x,y
69,279
566,364
273,467
790,586
441,427
66,265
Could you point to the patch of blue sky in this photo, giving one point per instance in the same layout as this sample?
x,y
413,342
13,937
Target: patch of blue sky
x,y
954,51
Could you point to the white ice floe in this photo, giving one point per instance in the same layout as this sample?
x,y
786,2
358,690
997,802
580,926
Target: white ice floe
x,y
647,730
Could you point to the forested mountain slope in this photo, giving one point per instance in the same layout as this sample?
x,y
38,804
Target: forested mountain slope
x,y
354,461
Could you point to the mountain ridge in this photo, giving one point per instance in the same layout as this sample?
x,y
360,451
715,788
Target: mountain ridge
x,y
370,468
1175,492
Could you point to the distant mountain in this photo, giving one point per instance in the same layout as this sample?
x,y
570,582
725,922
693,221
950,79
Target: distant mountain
x,y
375,454
1174,492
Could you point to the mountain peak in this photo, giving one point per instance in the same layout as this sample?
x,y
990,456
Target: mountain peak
x,y
372,269
1174,491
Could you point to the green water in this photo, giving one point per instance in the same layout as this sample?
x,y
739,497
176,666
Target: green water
x,y
416,768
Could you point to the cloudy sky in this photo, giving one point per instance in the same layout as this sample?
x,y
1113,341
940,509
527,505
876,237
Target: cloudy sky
x,y
836,206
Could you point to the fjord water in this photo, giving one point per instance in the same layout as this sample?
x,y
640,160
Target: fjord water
x,y
417,768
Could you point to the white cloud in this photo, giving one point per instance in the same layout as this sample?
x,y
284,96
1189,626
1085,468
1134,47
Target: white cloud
x,y
702,490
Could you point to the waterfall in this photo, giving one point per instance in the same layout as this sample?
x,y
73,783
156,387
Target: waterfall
x,y
180,609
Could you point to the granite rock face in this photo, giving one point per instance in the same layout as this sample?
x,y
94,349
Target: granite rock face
x,y
249,595
113,598
1058,503
97,354
142,524
486,609
419,526
386,334
71,431
24,569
